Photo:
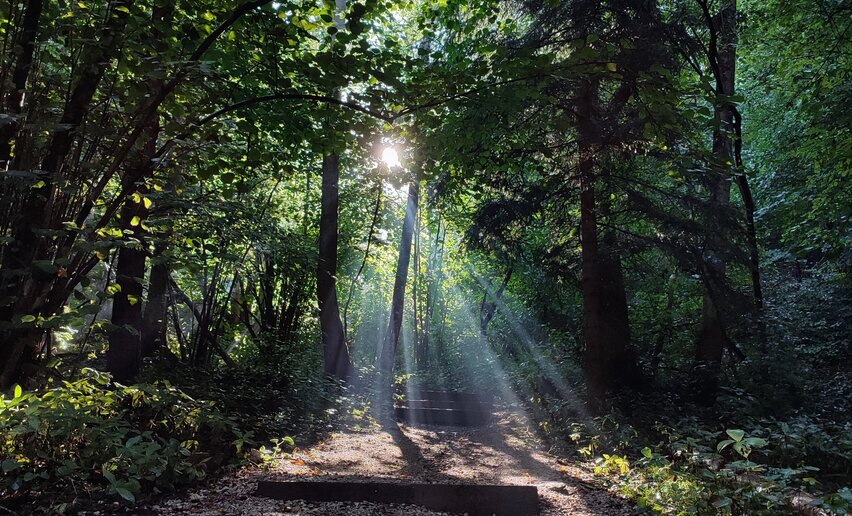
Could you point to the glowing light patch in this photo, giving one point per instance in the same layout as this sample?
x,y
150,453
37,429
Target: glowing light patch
x,y
390,157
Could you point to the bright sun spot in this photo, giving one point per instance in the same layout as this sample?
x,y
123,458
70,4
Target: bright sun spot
x,y
390,157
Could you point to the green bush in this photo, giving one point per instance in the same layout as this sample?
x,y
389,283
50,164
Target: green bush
x,y
125,440
696,471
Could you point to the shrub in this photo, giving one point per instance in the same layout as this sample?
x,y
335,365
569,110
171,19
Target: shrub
x,y
124,440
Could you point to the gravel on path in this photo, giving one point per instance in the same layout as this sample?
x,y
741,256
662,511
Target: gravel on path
x,y
502,453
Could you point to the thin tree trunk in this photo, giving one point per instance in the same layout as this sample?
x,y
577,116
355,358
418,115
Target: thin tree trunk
x,y
434,279
387,359
596,356
664,334
488,310
751,232
415,287
13,103
370,232
267,290
335,352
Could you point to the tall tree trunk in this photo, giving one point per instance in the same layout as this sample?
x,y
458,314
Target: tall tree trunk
x,y
608,360
387,358
155,316
124,355
335,352
623,366
666,329
13,103
712,336
751,233
596,353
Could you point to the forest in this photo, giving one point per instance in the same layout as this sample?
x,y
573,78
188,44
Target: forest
x,y
600,249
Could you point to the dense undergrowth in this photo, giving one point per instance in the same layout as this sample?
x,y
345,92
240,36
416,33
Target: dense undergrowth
x,y
74,443
723,463
88,437
670,456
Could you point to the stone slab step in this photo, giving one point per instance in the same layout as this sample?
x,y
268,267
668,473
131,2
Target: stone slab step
x,y
465,405
455,498
450,396
442,416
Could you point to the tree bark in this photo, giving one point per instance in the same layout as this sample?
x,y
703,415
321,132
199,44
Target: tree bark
x,y
712,335
20,279
336,358
155,316
13,104
487,310
388,355
596,355
124,355
609,362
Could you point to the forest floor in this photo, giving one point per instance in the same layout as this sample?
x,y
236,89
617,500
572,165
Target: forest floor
x,y
505,452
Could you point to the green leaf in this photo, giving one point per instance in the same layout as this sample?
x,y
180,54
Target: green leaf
x,y
724,444
720,501
646,452
46,266
736,434
28,318
755,442
124,493
9,465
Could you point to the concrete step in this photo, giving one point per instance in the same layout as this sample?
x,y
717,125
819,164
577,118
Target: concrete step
x,y
442,416
467,405
455,498
449,396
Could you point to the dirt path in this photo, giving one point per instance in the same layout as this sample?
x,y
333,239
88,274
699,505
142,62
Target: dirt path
x,y
503,453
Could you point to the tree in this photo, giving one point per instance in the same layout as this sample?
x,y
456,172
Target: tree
x,y
335,351
712,336
391,339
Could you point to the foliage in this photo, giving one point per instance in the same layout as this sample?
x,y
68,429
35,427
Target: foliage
x,y
126,441
162,178
766,469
